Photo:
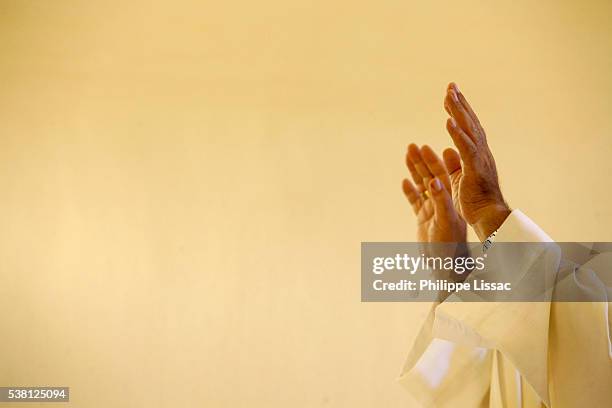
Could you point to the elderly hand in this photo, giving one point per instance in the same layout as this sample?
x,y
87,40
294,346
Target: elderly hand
x,y
437,219
476,193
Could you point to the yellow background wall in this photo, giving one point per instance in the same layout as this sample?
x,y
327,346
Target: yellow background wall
x,y
184,186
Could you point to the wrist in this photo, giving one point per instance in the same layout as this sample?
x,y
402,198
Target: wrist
x,y
491,219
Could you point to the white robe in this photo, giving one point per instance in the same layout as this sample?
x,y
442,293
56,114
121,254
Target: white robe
x,y
514,354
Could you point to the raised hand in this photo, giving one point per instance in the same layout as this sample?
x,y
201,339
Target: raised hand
x,y
429,195
475,186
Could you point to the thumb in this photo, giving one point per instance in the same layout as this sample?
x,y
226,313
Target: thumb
x,y
442,202
452,161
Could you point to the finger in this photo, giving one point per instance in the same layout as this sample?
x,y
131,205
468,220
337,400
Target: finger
x,y
469,109
453,105
452,161
413,196
416,177
419,164
435,165
446,104
465,145
442,202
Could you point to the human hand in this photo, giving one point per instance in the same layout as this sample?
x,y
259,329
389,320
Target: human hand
x,y
475,186
437,219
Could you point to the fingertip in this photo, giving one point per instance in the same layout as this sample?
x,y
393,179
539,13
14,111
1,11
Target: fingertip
x,y
428,153
452,160
414,152
411,194
450,152
441,200
409,163
435,185
451,123
407,186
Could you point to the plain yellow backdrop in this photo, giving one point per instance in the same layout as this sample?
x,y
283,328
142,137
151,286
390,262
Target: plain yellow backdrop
x,y
184,186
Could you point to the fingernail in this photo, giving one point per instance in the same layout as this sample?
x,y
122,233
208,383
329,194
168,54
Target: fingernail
x,y
456,88
453,122
436,185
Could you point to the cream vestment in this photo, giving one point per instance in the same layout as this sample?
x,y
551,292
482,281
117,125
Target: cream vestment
x,y
516,354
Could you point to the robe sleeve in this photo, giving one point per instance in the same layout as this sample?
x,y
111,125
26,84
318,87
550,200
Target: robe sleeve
x,y
562,350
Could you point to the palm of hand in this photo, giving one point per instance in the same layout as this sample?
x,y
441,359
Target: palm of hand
x,y
470,195
427,229
433,225
460,192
